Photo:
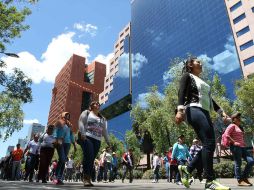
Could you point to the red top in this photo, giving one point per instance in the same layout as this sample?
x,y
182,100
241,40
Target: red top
x,y
171,161
17,154
236,134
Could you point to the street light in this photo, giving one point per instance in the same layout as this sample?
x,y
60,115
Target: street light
x,y
10,54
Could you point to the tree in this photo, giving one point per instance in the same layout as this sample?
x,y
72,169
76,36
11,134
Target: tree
x,y
244,90
16,86
11,115
11,21
158,117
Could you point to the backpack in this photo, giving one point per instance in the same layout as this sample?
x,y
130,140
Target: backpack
x,y
225,142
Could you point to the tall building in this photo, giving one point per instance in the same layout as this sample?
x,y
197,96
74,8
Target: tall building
x,y
35,128
114,64
9,149
76,85
241,16
23,143
160,31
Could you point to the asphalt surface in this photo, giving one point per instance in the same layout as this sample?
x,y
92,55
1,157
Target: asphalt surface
x,y
137,184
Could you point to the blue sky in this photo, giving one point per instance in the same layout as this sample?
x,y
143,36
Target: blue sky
x,y
58,29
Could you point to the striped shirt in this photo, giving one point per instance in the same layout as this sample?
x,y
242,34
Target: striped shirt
x,y
236,134
194,150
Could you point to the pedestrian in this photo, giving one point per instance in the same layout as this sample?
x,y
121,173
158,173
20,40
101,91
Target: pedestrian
x,y
181,154
196,162
101,166
173,166
128,164
166,165
92,126
194,105
107,165
235,135
156,167
17,156
47,142
69,168
114,166
32,151
64,137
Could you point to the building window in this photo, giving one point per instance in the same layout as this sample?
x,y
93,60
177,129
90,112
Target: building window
x,y
121,35
249,60
243,31
106,87
235,6
86,99
252,9
102,97
246,45
111,84
239,18
89,77
107,80
106,94
112,63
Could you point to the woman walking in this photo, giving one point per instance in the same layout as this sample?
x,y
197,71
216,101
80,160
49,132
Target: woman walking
x,y
47,141
194,105
92,126
235,135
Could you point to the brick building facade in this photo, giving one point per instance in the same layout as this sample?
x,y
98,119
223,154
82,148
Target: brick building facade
x,y
75,87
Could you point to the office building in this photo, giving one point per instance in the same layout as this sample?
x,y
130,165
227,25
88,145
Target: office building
x,y
241,16
160,31
35,128
76,85
114,64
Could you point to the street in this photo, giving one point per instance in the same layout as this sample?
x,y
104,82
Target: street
x,y
138,184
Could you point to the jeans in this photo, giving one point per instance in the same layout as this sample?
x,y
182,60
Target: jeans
x,y
107,167
156,173
238,154
90,148
127,168
182,163
46,155
31,162
167,167
62,151
196,163
201,122
16,165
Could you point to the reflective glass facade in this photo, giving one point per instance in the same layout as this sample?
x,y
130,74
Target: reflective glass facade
x,y
164,29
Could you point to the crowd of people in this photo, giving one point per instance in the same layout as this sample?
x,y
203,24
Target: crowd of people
x,y
194,106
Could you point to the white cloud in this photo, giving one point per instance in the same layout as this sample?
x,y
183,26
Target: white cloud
x,y
30,121
87,28
59,50
138,61
105,60
224,62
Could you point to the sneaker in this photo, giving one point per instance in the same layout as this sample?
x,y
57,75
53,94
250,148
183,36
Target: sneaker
x,y
153,181
59,182
179,183
215,185
191,180
185,175
247,181
242,182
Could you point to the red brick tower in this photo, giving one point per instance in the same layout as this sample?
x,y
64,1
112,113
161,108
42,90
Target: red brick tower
x,y
75,87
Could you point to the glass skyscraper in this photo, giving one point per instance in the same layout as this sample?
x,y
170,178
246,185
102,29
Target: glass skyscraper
x,y
164,29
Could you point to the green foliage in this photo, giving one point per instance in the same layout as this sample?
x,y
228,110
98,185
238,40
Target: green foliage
x,y
148,174
158,116
11,115
224,169
244,90
12,21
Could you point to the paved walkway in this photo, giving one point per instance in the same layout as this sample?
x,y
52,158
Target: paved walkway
x,y
137,184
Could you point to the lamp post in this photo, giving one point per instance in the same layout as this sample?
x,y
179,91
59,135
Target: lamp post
x,y
10,54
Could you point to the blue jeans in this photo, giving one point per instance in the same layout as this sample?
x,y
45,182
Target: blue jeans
x,y
107,167
90,148
238,154
167,167
31,163
201,122
62,151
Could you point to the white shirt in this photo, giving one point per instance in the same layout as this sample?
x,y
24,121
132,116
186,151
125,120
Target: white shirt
x,y
33,147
